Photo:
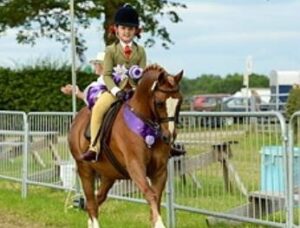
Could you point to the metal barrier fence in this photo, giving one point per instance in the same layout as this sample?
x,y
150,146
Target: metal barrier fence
x,y
12,144
294,164
34,150
49,162
237,166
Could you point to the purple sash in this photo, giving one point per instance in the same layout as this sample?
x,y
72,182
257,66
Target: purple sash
x,y
139,127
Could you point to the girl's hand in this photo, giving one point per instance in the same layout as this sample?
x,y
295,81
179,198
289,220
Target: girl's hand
x,y
67,89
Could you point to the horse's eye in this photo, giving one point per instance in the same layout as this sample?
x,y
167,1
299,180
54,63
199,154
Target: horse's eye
x,y
160,104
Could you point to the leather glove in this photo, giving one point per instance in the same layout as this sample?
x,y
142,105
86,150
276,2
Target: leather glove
x,y
121,95
129,94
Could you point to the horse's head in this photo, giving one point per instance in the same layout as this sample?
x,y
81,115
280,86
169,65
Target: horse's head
x,y
160,92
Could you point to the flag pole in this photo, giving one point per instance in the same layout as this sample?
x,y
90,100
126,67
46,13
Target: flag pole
x,y
73,54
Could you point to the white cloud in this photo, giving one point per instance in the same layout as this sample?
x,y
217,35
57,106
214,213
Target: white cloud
x,y
231,37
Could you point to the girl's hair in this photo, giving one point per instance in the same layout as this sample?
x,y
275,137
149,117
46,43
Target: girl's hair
x,y
112,31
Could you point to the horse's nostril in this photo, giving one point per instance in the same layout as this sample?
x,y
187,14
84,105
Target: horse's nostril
x,y
166,138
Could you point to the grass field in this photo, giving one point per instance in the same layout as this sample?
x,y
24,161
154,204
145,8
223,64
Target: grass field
x,y
45,208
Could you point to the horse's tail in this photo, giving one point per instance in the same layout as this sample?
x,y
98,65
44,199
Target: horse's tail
x,y
76,139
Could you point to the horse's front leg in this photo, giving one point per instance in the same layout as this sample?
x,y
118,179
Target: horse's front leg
x,y
105,185
87,177
158,183
137,172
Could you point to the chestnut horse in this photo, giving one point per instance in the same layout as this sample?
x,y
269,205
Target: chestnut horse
x,y
155,102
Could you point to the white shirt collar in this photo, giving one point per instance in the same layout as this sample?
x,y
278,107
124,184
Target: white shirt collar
x,y
124,44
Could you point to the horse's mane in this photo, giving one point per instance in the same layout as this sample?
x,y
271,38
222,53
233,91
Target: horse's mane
x,y
154,67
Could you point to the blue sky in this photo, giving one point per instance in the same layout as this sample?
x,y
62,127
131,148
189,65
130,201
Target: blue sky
x,y
215,37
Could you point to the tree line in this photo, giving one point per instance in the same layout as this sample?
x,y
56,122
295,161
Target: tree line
x,y
211,84
37,88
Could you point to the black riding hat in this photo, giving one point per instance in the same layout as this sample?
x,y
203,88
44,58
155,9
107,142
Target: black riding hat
x,y
127,16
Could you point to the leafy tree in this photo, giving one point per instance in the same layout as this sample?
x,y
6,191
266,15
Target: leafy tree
x,y
293,101
292,106
51,19
258,80
233,83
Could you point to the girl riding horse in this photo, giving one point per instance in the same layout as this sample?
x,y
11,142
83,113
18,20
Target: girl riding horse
x,y
125,53
140,141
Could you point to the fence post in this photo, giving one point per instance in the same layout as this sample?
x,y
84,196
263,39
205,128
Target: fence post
x,y
25,157
170,195
289,179
290,219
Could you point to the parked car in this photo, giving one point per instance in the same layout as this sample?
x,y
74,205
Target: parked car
x,y
239,104
208,102
243,104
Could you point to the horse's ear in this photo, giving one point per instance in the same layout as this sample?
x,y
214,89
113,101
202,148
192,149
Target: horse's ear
x,y
178,77
161,78
160,81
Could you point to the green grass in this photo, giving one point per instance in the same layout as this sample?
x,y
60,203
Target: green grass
x,y
45,208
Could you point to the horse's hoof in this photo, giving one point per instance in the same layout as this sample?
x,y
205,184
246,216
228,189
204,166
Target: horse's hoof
x,y
159,223
93,223
89,156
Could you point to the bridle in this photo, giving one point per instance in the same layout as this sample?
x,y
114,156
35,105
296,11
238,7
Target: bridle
x,y
155,124
159,119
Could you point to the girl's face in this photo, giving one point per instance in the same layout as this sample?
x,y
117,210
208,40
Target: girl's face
x,y
125,33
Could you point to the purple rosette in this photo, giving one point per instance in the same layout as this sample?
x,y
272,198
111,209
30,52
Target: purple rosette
x,y
116,78
135,72
150,140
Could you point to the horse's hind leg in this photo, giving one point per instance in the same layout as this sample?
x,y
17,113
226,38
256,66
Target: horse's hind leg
x,y
87,177
105,185
138,175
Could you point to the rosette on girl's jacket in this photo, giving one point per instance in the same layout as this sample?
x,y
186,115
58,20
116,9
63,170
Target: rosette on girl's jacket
x,y
135,72
119,73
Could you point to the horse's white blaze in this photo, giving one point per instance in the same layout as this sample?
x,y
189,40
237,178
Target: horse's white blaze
x,y
171,110
154,85
93,223
159,223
